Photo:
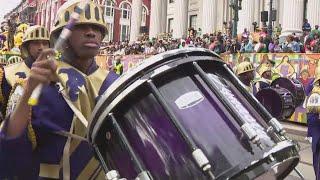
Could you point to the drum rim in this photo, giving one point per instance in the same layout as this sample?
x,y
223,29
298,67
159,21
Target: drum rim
x,y
285,146
206,55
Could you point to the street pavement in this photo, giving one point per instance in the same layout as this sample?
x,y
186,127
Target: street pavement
x,y
298,133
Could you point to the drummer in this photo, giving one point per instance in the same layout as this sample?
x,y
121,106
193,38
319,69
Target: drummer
x,y
245,72
36,142
314,128
32,45
266,77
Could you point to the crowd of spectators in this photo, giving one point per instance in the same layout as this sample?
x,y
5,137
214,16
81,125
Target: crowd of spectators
x,y
222,43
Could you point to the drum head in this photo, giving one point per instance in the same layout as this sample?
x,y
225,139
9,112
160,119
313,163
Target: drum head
x,y
278,101
294,86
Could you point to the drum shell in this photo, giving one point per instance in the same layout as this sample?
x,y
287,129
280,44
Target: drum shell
x,y
158,143
294,86
278,101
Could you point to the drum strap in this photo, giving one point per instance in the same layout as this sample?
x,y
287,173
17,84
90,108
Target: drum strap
x,y
66,156
75,110
70,135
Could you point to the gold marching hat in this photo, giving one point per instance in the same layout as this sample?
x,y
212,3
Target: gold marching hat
x,y
22,27
93,14
244,67
33,33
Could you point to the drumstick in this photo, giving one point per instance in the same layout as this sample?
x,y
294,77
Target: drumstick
x,y
64,35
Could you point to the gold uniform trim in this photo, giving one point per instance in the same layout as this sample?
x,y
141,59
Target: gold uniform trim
x,y
49,170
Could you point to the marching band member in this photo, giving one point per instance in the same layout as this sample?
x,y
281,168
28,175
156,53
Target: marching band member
x,y
265,79
35,40
38,142
18,38
245,72
313,122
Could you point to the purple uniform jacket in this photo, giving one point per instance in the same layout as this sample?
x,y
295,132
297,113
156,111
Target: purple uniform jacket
x,y
313,122
17,159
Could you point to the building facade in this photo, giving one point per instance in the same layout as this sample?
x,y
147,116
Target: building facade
x,y
128,19
216,15
122,19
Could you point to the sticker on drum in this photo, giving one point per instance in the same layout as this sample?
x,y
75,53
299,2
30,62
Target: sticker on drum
x,y
189,99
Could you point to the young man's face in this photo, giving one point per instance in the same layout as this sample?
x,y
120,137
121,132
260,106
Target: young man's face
x,y
85,40
247,77
267,75
36,47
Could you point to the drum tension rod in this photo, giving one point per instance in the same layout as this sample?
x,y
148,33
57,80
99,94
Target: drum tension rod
x,y
143,174
245,127
197,154
273,122
110,174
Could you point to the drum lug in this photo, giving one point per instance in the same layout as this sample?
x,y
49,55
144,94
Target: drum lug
x,y
201,159
112,175
277,126
251,134
144,175
203,162
271,158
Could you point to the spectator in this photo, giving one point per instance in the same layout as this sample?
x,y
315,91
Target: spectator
x,y
183,44
291,45
247,46
316,31
306,26
245,34
277,48
278,30
235,46
260,47
271,47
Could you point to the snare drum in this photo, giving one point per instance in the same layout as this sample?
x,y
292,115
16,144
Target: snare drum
x,y
278,101
294,86
180,116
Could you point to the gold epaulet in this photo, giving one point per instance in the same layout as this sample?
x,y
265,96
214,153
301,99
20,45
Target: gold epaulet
x,y
315,89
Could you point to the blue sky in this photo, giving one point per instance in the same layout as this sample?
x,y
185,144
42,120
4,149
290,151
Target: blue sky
x,y
6,6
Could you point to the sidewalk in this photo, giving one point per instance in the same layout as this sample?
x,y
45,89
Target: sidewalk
x,y
298,133
295,128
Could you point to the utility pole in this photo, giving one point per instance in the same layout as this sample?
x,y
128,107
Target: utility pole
x,y
236,6
270,19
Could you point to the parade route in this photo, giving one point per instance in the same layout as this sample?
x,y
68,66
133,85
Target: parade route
x,y
298,133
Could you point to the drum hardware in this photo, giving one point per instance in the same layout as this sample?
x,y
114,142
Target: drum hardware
x,y
292,85
246,128
110,174
273,122
271,158
143,175
153,136
275,125
197,154
299,173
